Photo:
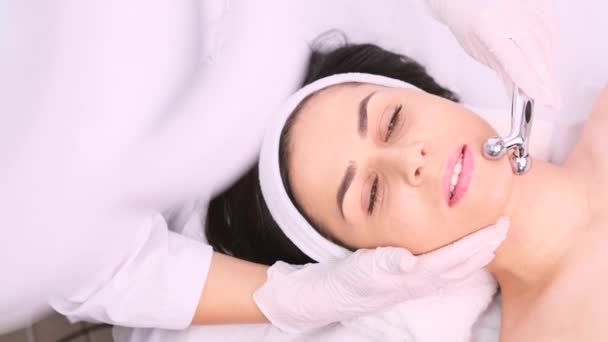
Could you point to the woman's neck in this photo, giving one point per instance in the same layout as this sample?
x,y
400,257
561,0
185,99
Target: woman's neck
x,y
547,208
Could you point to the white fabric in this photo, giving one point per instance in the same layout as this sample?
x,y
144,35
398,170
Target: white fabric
x,y
448,316
79,83
158,284
283,211
110,113
487,327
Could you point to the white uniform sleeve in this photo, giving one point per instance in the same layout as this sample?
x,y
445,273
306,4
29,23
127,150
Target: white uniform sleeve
x,y
98,110
158,284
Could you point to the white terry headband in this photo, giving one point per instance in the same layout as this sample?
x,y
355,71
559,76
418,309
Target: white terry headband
x,y
293,224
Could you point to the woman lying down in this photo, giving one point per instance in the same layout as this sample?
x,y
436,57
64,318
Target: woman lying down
x,y
385,156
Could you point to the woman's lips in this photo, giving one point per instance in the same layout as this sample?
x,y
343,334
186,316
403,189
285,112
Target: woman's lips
x,y
464,178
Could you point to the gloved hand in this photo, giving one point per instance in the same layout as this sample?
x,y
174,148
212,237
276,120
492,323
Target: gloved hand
x,y
299,298
515,38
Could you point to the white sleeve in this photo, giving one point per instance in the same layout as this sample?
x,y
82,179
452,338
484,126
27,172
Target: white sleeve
x,y
157,284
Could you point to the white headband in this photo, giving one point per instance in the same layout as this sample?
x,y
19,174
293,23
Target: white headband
x,y
293,224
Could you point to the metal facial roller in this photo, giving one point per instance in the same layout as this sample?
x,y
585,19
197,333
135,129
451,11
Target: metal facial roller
x,y
522,113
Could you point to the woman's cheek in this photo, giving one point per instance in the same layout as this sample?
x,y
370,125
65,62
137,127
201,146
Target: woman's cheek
x,y
497,182
413,233
492,191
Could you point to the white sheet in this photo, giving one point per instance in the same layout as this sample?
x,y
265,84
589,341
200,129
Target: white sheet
x,y
582,69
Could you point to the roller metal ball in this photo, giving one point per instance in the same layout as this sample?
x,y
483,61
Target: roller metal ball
x,y
494,148
520,165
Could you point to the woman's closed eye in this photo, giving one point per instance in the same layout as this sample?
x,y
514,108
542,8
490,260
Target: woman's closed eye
x,y
390,122
372,193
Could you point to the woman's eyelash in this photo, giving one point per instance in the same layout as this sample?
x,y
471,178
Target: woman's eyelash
x,y
373,196
393,122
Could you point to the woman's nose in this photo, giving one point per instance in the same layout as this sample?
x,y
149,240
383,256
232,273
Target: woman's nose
x,y
412,160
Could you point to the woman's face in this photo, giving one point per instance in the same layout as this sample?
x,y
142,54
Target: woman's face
x,y
374,167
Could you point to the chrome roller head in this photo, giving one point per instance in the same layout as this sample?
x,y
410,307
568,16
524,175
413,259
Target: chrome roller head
x,y
494,148
520,162
522,113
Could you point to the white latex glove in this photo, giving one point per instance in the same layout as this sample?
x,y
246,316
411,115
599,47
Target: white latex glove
x,y
515,38
299,298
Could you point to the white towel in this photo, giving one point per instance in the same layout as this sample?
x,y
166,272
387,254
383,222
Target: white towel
x,y
448,316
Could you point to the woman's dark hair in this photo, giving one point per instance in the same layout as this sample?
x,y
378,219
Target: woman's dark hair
x,y
238,221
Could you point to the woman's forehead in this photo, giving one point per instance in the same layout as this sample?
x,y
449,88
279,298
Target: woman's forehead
x,y
323,142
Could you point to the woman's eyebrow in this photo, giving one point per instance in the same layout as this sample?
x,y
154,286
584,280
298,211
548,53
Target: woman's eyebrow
x,y
349,175
363,115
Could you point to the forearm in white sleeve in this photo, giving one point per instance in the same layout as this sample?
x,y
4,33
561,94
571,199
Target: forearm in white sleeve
x,y
157,284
